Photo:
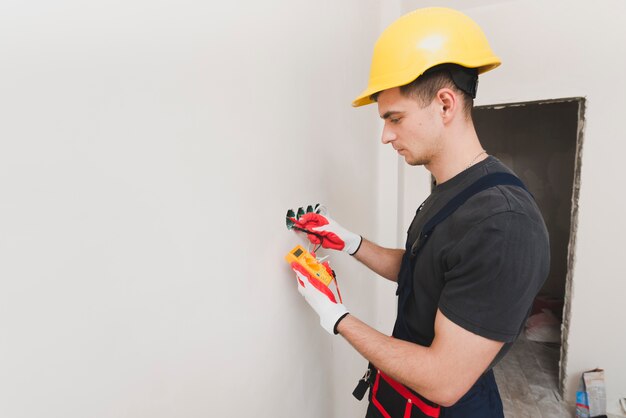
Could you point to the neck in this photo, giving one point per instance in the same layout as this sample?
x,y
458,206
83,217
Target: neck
x,y
460,150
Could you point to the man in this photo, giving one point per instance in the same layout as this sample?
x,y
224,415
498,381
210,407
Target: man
x,y
477,251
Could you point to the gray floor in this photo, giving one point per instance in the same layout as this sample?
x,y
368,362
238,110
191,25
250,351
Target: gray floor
x,y
528,381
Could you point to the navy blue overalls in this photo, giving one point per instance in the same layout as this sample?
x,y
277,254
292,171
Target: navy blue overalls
x,y
390,399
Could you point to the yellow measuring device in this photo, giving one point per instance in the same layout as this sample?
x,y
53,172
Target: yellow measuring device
x,y
307,260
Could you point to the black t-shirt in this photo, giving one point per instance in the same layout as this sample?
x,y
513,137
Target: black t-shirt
x,y
483,265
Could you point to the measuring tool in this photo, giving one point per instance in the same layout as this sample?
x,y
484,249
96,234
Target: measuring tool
x,y
308,261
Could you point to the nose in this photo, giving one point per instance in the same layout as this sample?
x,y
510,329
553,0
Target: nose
x,y
388,135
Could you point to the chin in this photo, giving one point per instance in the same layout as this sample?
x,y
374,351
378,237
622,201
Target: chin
x,y
415,162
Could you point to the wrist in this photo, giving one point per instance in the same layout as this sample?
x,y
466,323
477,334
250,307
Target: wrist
x,y
353,244
331,316
341,318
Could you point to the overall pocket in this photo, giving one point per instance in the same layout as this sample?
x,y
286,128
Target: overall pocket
x,y
394,400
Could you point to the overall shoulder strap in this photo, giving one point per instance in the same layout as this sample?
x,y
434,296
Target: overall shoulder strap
x,y
483,183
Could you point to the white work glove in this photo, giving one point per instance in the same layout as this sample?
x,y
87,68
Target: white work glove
x,y
325,300
322,230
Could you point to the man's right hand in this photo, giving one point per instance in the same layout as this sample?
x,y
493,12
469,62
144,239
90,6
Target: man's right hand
x,y
322,230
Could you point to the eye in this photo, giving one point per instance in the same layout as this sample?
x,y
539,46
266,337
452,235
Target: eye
x,y
395,121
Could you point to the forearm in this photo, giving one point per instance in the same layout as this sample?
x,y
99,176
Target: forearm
x,y
412,365
383,261
442,372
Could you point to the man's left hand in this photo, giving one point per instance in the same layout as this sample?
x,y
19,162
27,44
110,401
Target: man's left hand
x,y
325,300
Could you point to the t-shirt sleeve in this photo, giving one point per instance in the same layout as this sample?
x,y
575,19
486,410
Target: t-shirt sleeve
x,y
493,274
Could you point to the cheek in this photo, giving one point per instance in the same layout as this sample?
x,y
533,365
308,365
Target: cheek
x,y
415,133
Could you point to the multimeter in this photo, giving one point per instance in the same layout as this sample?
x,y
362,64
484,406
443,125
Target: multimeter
x,y
307,260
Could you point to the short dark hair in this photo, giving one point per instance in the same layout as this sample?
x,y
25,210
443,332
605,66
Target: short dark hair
x,y
425,87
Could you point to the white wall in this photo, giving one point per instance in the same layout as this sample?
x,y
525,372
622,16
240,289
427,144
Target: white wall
x,y
149,151
563,49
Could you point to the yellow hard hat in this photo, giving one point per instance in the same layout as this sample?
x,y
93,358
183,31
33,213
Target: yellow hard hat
x,y
421,40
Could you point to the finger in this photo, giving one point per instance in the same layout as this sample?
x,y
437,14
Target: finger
x,y
312,220
321,228
334,287
290,219
332,241
314,239
321,209
300,278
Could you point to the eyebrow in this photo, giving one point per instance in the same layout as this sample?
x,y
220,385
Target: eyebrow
x,y
390,113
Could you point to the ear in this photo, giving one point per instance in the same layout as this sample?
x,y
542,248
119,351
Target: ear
x,y
449,104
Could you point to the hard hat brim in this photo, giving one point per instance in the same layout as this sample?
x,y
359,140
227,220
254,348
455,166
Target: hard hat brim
x,y
365,97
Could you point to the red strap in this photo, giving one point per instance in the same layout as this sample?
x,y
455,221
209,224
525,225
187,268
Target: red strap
x,y
407,410
375,399
431,411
